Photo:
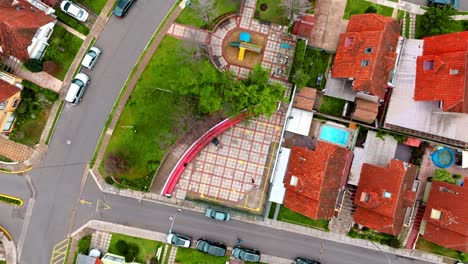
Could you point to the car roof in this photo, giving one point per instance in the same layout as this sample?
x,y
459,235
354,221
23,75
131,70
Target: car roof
x,y
83,77
74,9
87,60
72,92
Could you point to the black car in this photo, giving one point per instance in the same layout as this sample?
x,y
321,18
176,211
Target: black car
x,y
305,261
212,248
122,7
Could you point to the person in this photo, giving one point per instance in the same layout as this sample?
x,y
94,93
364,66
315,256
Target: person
x,y
239,241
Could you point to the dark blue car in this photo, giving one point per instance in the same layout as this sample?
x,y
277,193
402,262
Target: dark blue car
x,y
122,8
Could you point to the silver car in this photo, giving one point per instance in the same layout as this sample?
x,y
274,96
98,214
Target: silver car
x,y
77,88
74,10
91,58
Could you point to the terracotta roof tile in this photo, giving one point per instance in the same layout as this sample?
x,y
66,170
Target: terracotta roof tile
x,y
366,111
441,71
7,90
305,99
385,214
451,230
319,173
369,38
18,26
303,26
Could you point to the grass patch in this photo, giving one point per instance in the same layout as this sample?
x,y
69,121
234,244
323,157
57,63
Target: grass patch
x,y
54,124
315,63
32,113
63,47
5,159
271,214
190,17
369,234
71,22
168,254
428,246
332,106
455,26
193,256
273,13
95,5
407,25
84,245
2,262
354,7
400,14
147,248
287,215
11,200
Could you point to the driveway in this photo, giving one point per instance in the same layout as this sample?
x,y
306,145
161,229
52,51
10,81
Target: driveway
x,y
57,178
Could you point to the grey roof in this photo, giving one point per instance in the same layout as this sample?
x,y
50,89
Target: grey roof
x,y
85,259
340,88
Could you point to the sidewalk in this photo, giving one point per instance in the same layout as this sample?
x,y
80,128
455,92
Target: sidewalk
x,y
10,249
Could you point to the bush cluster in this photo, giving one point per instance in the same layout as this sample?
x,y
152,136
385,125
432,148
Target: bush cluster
x,y
128,250
381,238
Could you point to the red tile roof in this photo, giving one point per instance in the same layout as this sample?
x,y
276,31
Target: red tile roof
x,y
441,71
303,26
451,230
18,26
383,214
320,174
7,90
305,98
376,32
365,111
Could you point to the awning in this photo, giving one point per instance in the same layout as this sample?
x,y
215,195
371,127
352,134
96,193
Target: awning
x,y
299,121
277,189
464,159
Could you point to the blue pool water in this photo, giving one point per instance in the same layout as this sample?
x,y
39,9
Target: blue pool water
x,y
334,135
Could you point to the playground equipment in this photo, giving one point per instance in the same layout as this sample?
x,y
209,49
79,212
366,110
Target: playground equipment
x,y
244,44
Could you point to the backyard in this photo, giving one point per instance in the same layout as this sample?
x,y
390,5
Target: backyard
x,y
32,113
63,47
271,11
316,62
287,215
428,246
71,22
190,16
354,7
139,248
332,106
193,256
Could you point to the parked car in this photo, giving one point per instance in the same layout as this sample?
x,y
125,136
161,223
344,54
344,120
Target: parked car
x,y
91,57
74,10
453,3
212,248
305,261
319,79
179,240
77,88
122,8
246,254
218,215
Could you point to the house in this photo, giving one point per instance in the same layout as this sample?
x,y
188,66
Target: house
x,y
10,97
441,72
303,25
446,218
314,178
24,29
385,196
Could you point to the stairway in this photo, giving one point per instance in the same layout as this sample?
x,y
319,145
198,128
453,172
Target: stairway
x,y
344,219
416,224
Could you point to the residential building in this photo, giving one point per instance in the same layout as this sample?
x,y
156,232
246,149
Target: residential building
x,y
385,196
314,178
445,220
303,26
24,29
10,97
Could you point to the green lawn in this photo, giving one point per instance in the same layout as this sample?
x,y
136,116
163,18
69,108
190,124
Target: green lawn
x,y
274,13
332,106
32,114
428,246
193,256
407,25
315,63
150,112
287,215
189,16
354,7
147,247
71,22
456,26
5,159
63,47
95,5
2,262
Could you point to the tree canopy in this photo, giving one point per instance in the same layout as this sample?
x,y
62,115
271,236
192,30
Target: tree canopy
x,y
437,20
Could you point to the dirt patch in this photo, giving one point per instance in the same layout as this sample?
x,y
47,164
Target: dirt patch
x,y
251,58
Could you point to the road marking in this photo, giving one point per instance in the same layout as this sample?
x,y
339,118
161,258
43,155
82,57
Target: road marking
x,y
101,205
59,252
106,206
84,202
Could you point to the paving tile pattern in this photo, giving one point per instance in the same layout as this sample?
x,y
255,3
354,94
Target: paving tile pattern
x,y
172,255
101,240
13,150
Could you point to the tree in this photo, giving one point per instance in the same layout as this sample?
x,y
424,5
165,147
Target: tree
x,y
371,9
115,164
443,175
295,7
437,20
205,10
34,65
300,78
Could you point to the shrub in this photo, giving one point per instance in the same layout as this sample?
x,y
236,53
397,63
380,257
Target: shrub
x,y
128,250
48,94
371,9
443,175
109,180
300,78
393,242
115,164
352,234
121,246
84,244
299,54
141,184
33,65
457,176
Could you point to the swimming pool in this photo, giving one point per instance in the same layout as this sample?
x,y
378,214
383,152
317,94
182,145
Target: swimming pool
x,y
336,135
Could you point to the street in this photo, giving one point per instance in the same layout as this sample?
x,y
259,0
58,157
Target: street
x,y
462,7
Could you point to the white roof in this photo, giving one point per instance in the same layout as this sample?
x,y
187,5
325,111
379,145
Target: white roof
x,y
299,121
464,159
278,190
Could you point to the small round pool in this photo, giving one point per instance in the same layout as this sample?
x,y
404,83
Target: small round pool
x,y
443,158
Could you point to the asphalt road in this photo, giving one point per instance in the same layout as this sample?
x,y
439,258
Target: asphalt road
x,y
57,178
153,216
462,7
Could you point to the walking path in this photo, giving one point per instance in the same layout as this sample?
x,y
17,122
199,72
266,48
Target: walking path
x,y
13,150
71,30
42,78
9,248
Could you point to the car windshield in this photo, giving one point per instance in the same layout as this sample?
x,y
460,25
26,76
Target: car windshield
x,y
122,4
178,241
67,5
78,82
219,215
92,53
80,13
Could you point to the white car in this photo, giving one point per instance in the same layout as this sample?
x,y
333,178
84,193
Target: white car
x,y
179,240
74,10
91,58
77,88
